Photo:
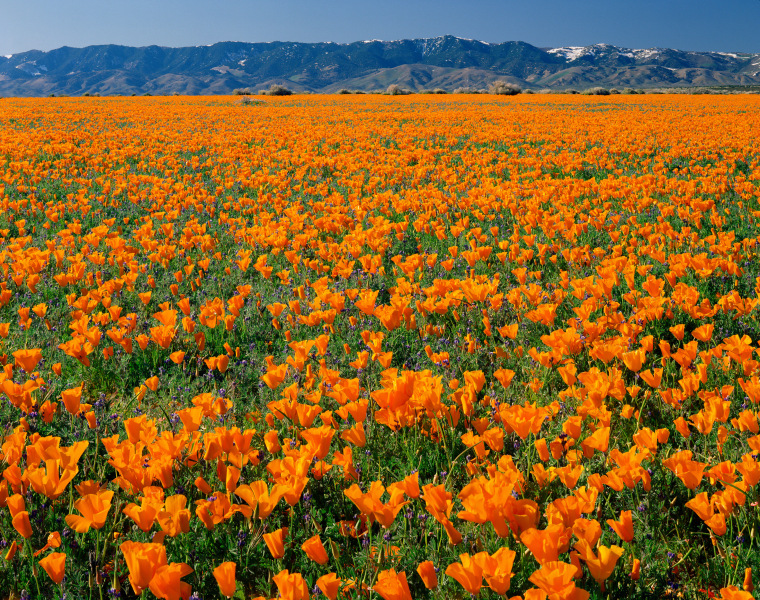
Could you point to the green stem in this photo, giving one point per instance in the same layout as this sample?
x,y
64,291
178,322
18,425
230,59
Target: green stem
x,y
34,567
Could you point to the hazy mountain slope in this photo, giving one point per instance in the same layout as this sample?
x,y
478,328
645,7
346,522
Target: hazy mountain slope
x,y
446,62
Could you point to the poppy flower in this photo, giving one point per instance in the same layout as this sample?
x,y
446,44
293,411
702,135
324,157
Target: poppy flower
x,y
12,549
143,560
275,541
734,593
392,586
291,586
497,569
602,564
93,509
225,578
623,527
426,571
468,573
166,582
19,515
54,565
28,359
315,550
53,541
555,579
329,585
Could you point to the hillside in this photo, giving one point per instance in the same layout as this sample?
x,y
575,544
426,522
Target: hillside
x,y
447,62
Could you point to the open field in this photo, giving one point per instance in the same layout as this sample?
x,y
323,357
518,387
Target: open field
x,y
385,347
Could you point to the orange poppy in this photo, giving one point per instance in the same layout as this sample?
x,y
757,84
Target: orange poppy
x,y
275,541
315,550
54,565
225,578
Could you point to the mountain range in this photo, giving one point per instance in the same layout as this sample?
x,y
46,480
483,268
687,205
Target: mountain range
x,y
445,62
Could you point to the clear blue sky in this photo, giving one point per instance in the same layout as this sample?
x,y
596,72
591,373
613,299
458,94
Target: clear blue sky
x,y
721,25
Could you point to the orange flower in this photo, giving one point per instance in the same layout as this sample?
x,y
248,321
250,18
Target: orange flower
x,y
225,577
734,593
275,541
166,582
53,541
636,569
315,550
330,585
174,518
12,549
28,359
426,571
143,560
634,359
152,383
143,516
291,586
555,579
19,515
392,586
652,379
497,569
51,479
688,471
623,527
275,374
468,573
261,500
703,333
72,399
177,357
547,544
54,565
94,510
600,566
587,529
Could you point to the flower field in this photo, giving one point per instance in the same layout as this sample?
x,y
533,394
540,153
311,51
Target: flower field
x,y
380,347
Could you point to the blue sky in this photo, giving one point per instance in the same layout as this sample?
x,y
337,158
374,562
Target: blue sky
x,y
726,25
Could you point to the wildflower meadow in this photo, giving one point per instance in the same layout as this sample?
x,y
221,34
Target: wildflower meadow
x,y
383,347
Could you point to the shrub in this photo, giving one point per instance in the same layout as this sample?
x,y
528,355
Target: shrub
x,y
277,90
344,91
242,92
396,90
466,90
504,88
596,91
248,101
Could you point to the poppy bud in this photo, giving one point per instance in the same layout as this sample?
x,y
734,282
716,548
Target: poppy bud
x,y
636,570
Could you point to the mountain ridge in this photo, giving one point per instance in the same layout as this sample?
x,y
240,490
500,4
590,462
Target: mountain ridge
x,y
446,62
